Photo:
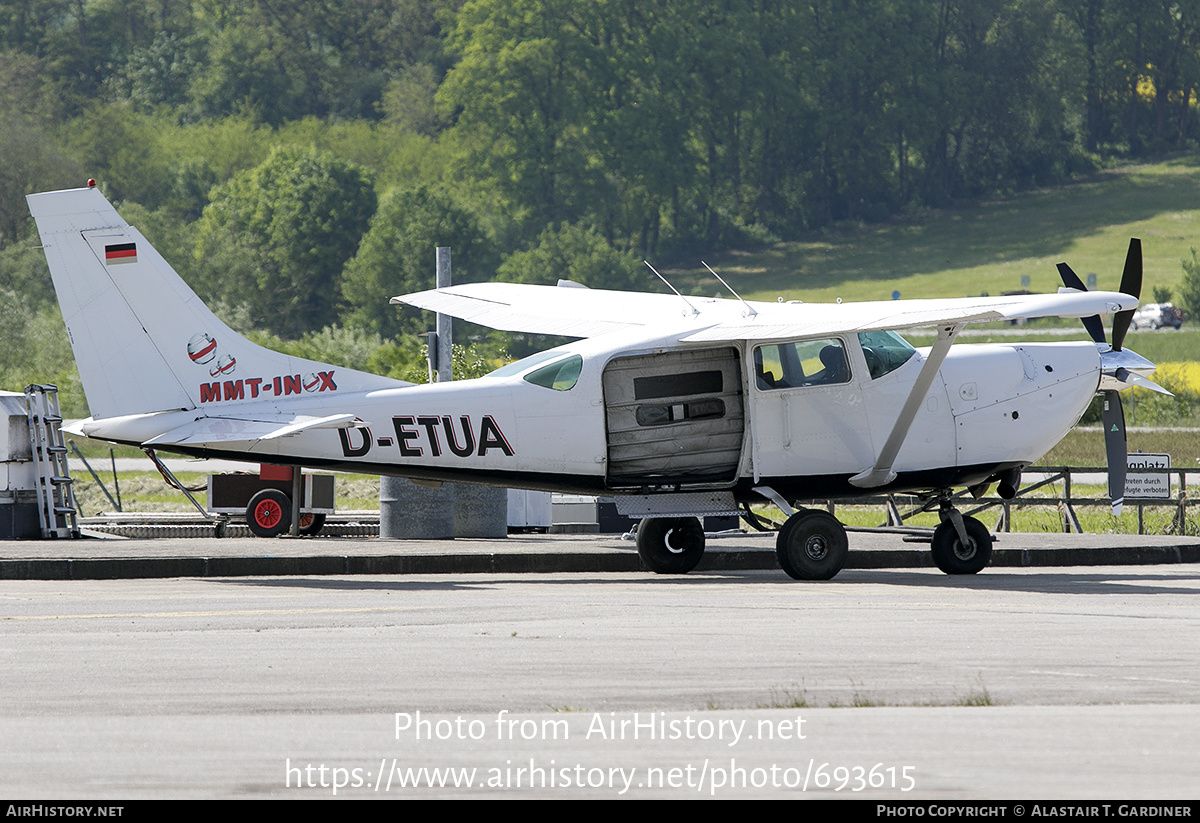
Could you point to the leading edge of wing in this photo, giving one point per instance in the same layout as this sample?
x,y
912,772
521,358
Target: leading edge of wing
x,y
813,319
570,312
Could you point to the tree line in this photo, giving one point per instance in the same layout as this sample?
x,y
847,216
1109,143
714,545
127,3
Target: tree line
x,y
298,161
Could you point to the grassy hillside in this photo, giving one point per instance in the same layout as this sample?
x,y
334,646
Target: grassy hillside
x,y
985,247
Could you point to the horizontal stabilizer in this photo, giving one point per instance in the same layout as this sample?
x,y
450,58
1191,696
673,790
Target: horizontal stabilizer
x,y
223,431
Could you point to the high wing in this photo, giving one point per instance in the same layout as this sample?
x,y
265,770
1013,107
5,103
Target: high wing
x,y
571,312
576,312
791,320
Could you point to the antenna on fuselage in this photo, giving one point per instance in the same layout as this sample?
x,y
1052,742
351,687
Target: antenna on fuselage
x,y
750,312
693,309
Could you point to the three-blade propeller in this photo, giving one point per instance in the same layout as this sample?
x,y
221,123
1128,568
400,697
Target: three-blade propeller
x,y
1117,368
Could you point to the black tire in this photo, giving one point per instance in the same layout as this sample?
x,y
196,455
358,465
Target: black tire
x,y
952,557
670,545
812,545
311,522
269,513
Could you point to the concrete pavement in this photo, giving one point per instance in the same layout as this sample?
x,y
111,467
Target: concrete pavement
x,y
526,553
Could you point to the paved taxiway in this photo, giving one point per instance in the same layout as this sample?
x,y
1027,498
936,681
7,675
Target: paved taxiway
x,y
225,557
1077,682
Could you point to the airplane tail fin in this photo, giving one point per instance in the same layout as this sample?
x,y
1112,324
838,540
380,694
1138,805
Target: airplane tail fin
x,y
143,341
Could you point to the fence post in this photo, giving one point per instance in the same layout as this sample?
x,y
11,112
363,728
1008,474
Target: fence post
x,y
1181,513
1066,502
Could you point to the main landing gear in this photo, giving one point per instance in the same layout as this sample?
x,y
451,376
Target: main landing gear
x,y
812,544
670,545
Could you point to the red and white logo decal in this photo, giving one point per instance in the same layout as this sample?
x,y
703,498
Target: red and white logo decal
x,y
225,365
202,347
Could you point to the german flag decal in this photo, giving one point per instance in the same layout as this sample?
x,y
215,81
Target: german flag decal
x,y
120,253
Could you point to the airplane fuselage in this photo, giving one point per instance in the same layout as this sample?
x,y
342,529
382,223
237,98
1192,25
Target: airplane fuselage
x,y
660,417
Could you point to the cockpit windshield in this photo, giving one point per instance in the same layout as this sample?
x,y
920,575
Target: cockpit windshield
x,y
885,351
561,375
518,366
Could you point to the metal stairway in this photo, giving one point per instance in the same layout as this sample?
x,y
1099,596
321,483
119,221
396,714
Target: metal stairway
x,y
56,512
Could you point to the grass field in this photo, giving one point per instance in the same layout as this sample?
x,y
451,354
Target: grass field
x,y
985,247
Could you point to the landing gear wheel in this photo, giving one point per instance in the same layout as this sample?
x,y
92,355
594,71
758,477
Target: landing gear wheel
x,y
311,523
952,556
670,545
269,513
812,545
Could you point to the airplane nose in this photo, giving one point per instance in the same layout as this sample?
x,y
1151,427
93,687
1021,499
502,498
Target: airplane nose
x,y
1122,369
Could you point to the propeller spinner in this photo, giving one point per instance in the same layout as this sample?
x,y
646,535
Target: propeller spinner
x,y
1119,368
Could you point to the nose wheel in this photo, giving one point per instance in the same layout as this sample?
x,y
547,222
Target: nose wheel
x,y
961,545
812,545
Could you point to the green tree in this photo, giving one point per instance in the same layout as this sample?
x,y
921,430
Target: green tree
x,y
276,237
29,161
398,255
160,72
1189,286
352,348
468,362
578,254
245,75
519,94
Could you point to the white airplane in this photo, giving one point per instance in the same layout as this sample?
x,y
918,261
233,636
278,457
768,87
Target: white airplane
x,y
676,406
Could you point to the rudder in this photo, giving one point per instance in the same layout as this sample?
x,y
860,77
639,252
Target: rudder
x,y
143,340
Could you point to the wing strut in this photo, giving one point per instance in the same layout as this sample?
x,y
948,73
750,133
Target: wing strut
x,y
882,473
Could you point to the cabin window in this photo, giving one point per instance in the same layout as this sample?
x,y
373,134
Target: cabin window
x,y
659,415
676,385
802,363
885,351
560,376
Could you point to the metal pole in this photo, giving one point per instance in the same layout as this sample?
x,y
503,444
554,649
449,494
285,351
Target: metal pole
x,y
95,476
116,483
445,334
1066,501
407,510
1181,512
297,500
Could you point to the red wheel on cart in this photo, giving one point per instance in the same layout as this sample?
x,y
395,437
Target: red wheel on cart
x,y
269,513
311,523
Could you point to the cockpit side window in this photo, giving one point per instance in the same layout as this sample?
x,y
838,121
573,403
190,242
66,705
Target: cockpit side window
x,y
801,363
560,376
885,351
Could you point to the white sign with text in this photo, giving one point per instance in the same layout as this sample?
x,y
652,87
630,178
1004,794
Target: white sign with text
x,y
1143,484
